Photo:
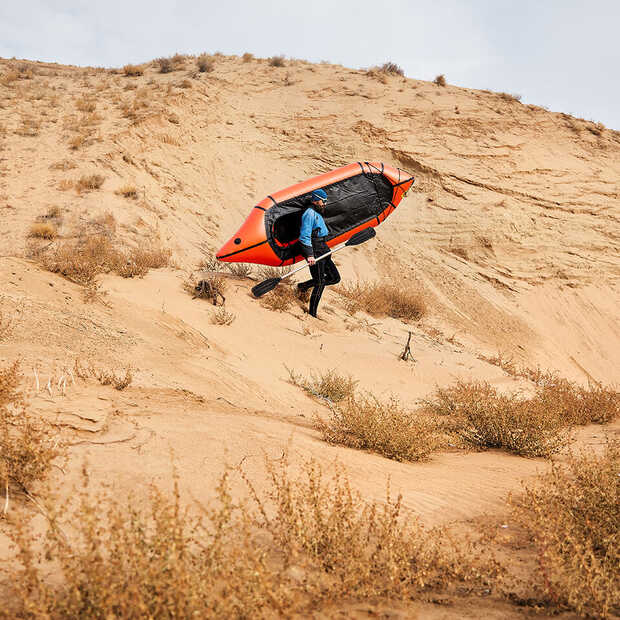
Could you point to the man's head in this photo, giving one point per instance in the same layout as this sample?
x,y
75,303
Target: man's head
x,y
319,198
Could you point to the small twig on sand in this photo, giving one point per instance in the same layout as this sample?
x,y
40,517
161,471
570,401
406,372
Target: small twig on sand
x,y
36,377
406,354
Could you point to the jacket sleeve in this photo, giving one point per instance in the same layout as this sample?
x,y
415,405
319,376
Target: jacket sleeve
x,y
305,231
306,250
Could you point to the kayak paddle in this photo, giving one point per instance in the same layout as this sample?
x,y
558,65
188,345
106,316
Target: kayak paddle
x,y
268,285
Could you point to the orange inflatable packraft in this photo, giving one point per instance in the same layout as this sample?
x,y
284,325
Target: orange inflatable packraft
x,y
359,196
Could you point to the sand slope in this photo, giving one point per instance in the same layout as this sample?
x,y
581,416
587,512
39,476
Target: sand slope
x,y
512,232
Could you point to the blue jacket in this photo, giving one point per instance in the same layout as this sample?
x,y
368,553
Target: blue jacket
x,y
311,221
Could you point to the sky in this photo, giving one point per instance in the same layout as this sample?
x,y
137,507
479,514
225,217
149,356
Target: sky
x,y
561,54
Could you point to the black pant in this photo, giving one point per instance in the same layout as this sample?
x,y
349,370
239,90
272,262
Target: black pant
x,y
324,273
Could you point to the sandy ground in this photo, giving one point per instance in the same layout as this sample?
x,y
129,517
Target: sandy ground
x,y
512,232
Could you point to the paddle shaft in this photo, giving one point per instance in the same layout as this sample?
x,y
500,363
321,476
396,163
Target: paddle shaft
x,y
290,273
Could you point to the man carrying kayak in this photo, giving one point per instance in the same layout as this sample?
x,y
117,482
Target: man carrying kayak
x,y
312,236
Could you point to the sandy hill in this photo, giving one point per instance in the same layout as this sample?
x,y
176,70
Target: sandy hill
x,y
511,234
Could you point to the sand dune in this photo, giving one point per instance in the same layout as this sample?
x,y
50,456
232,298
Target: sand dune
x,y
512,232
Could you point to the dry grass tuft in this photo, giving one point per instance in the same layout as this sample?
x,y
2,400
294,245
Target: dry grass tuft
x,y
222,317
366,423
109,377
381,299
297,548
242,270
280,299
571,516
138,261
276,61
43,230
86,105
28,446
205,63
88,183
82,260
247,57
328,385
29,128
133,70
510,97
128,191
440,80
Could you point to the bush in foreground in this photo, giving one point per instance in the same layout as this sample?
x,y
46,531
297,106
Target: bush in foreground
x,y
305,542
571,515
28,445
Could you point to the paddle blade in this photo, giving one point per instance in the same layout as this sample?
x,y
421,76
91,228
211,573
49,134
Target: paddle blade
x,y
265,286
361,236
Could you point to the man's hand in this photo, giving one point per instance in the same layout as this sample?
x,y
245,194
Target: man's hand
x,y
311,260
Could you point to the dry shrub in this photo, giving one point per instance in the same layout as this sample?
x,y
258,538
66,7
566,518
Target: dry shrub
x,y
390,68
440,80
165,65
78,141
128,191
212,287
168,139
484,418
82,260
138,261
109,377
29,128
28,446
209,263
571,516
366,423
576,405
133,70
86,105
43,230
328,384
247,57
300,546
381,299
65,184
280,299
276,61
512,98
205,63
88,183
223,317
242,270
